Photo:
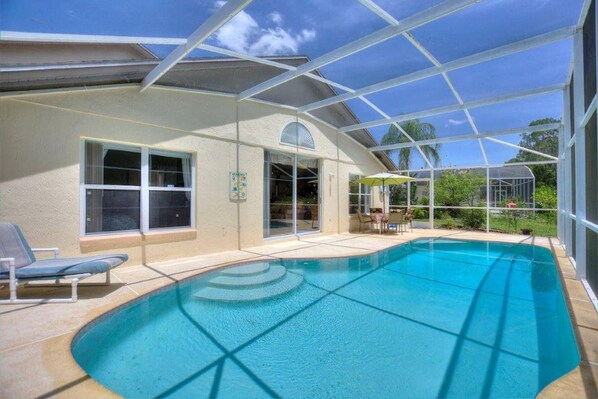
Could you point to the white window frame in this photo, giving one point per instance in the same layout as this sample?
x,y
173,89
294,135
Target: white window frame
x,y
144,188
360,195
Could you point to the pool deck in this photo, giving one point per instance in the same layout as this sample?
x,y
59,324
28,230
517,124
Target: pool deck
x,y
35,356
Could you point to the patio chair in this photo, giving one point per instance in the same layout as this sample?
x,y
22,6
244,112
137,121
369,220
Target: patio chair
x,y
363,220
18,266
409,217
396,221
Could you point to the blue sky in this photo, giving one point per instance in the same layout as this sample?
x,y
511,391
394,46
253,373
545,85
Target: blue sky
x,y
314,27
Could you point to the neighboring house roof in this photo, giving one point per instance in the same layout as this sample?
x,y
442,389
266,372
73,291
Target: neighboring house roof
x,y
52,65
28,53
503,172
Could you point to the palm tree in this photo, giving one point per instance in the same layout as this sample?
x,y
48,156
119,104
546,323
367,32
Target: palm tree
x,y
418,131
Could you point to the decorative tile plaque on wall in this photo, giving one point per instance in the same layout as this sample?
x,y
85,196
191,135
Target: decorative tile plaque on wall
x,y
238,186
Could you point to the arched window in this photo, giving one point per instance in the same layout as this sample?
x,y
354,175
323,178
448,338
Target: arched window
x,y
297,135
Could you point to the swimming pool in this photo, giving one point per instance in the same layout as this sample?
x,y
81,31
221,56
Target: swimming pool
x,y
429,318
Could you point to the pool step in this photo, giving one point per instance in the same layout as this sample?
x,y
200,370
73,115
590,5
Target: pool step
x,y
287,283
246,270
274,273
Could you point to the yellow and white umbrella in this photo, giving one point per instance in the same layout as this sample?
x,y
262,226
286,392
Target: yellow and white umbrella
x,y
384,179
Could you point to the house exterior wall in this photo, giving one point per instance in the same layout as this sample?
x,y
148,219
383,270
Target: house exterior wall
x,y
40,165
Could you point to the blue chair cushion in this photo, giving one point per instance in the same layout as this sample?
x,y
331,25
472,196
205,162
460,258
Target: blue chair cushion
x,y
51,268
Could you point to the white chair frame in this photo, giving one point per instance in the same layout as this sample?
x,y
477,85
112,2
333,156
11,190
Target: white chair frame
x,y
14,283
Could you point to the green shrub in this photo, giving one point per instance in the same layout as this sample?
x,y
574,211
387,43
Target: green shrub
x,y
449,223
473,218
545,197
423,200
421,213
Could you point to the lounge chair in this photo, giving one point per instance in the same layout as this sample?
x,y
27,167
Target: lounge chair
x,y
19,266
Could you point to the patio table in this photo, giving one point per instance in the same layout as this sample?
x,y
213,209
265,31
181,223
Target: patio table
x,y
379,219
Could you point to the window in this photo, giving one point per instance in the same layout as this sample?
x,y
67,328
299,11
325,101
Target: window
x,y
129,188
297,135
359,195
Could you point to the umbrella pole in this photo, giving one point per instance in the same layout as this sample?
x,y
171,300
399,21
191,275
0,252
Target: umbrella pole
x,y
383,206
383,198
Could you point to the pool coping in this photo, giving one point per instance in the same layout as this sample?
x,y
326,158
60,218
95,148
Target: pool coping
x,y
69,380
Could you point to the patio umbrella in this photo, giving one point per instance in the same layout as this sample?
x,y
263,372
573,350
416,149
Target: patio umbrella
x,y
384,179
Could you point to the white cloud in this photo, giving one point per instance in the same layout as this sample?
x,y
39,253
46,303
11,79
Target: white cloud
x,y
455,122
275,17
243,34
279,41
236,34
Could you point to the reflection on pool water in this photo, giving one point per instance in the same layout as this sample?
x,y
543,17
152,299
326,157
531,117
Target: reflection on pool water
x,y
430,318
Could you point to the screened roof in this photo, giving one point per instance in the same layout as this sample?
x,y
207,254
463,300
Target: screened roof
x,y
477,70
503,172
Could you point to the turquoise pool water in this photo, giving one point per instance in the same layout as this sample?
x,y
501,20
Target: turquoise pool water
x,y
431,318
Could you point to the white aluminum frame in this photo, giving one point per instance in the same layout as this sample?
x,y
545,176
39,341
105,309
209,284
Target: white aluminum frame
x,y
486,55
429,15
457,107
360,195
468,137
211,25
573,142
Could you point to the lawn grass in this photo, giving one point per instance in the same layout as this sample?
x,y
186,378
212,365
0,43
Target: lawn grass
x,y
540,226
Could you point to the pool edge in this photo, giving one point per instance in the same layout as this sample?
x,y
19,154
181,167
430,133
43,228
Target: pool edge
x,y
552,386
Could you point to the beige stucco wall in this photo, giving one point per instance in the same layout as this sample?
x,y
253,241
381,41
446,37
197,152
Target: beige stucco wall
x,y
40,154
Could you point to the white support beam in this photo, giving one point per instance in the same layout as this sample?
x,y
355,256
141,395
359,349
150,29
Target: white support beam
x,y
585,8
464,167
431,199
488,199
522,148
212,24
266,61
589,113
105,39
56,67
16,36
431,14
580,156
424,51
451,86
456,107
567,173
571,141
400,129
488,55
33,37
379,11
466,137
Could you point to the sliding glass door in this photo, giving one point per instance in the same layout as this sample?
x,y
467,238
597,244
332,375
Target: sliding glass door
x,y
307,188
291,194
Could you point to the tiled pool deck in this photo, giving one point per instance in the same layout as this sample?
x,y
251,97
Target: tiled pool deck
x,y
35,356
